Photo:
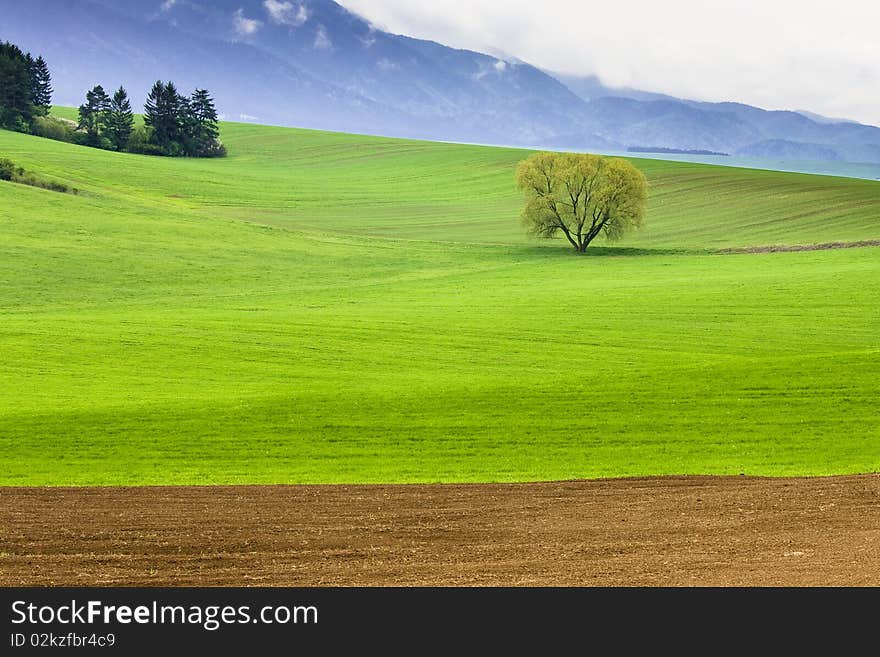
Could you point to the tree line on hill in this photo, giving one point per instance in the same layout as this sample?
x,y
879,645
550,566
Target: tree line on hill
x,y
174,125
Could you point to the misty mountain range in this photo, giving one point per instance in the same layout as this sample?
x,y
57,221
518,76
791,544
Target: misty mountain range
x,y
312,63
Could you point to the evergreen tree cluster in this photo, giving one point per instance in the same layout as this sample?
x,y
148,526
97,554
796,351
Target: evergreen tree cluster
x,y
182,125
25,88
106,121
174,124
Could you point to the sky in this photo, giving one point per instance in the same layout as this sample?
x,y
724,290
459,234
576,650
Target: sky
x,y
776,54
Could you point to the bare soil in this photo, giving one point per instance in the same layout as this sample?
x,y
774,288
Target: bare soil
x,y
805,247
666,531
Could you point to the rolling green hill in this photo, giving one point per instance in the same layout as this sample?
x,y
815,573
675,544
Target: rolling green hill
x,y
332,308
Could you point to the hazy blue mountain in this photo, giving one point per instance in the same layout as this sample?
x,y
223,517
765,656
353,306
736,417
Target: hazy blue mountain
x,y
443,92
640,118
590,87
849,141
819,118
780,148
667,124
86,44
312,63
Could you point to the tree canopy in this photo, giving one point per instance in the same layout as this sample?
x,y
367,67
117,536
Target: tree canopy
x,y
581,196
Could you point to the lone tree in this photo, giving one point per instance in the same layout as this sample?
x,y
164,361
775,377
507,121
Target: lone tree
x,y
581,196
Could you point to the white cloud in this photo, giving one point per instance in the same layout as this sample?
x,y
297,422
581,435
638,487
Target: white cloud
x,y
245,26
287,13
167,5
780,54
387,65
322,41
499,67
238,117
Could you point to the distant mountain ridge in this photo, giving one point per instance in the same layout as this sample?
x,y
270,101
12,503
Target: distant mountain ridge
x,y
313,63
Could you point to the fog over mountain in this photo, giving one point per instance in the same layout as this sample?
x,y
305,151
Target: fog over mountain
x,y
312,63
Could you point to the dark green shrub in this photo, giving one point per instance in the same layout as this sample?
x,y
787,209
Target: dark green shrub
x,y
213,149
174,149
14,122
82,138
12,173
7,169
145,148
140,143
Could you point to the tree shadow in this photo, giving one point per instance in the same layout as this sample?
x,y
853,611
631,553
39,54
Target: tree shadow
x,y
629,251
559,251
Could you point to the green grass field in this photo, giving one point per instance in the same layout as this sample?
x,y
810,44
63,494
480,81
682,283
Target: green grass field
x,y
330,308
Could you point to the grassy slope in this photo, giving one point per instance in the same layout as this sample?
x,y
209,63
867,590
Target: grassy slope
x,y
329,308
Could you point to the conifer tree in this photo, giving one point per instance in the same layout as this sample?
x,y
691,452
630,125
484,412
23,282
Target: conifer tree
x,y
31,66
204,121
177,117
93,115
151,108
164,114
185,124
16,101
120,120
42,86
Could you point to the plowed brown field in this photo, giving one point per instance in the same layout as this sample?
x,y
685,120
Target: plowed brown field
x,y
666,531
